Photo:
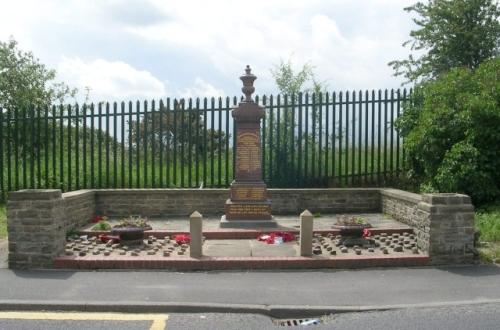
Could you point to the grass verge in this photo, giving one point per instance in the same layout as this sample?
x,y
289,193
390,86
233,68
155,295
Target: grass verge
x,y
488,225
3,222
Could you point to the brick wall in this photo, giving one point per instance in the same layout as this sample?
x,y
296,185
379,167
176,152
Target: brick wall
x,y
79,208
404,207
35,227
153,203
39,219
451,219
182,202
353,200
443,223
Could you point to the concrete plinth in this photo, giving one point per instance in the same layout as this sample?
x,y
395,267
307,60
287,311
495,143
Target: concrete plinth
x,y
241,223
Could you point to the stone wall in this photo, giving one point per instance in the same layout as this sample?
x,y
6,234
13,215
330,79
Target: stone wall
x,y
451,221
443,223
403,206
35,224
182,202
39,219
79,208
349,200
153,203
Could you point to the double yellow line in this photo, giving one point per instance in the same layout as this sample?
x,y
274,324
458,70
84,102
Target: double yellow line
x,y
159,320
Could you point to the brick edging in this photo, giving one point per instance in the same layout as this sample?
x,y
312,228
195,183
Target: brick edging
x,y
243,233
224,263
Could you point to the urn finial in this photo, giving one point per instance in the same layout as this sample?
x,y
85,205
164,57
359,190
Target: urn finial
x,y
248,78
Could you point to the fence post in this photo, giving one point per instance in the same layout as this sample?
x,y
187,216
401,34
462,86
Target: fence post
x,y
306,233
195,229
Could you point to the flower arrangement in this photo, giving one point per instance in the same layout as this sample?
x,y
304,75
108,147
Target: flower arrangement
x,y
182,239
133,222
276,237
345,220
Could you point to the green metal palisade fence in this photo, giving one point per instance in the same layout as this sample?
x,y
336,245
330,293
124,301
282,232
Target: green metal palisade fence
x,y
308,140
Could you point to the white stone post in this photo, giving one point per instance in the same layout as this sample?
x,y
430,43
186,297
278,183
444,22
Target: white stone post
x,y
195,229
306,233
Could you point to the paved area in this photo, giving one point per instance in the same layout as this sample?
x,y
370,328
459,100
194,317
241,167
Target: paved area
x,y
4,253
285,222
326,245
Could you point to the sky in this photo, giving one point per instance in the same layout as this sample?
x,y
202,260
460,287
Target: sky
x,y
151,49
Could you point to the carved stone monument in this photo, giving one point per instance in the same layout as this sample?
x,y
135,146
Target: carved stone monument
x,y
248,205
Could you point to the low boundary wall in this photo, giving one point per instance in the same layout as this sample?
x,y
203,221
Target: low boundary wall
x,y
38,219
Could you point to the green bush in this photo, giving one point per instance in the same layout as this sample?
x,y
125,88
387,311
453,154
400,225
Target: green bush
x,y
452,133
101,226
488,223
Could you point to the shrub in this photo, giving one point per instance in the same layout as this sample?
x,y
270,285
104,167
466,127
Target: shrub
x,y
101,226
452,134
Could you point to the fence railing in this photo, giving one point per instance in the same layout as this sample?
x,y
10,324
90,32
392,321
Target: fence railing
x,y
308,140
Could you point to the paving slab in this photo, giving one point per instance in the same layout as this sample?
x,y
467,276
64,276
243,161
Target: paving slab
x,y
262,249
227,248
285,222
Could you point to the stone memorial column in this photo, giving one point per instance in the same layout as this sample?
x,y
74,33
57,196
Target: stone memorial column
x,y
248,205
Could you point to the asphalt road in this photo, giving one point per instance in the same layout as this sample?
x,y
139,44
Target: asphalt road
x,y
469,317
344,288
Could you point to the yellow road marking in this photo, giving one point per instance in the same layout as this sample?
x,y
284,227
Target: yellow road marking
x,y
159,320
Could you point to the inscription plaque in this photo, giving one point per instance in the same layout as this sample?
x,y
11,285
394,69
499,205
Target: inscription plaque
x,y
248,152
249,193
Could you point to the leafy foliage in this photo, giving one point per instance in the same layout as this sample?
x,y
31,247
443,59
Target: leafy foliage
x,y
25,82
290,84
487,221
452,33
101,226
451,133
178,129
3,222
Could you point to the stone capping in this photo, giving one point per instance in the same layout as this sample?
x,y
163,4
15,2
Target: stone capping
x,y
127,191
70,195
401,194
446,199
34,194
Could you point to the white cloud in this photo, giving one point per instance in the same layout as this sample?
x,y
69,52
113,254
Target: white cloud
x,y
349,42
110,79
349,55
201,89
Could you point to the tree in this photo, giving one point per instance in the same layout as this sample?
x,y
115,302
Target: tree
x,y
178,129
451,134
451,33
25,82
290,83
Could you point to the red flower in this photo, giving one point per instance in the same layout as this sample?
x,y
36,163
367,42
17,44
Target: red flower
x,y
271,238
366,233
182,239
98,218
106,238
